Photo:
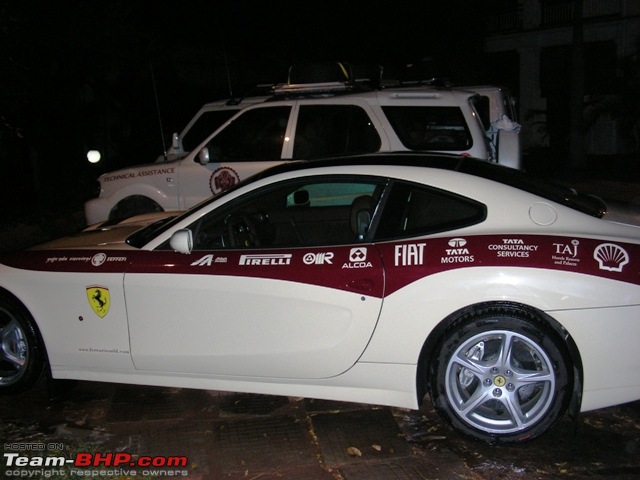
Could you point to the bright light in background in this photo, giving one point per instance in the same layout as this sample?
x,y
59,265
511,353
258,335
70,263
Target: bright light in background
x,y
93,156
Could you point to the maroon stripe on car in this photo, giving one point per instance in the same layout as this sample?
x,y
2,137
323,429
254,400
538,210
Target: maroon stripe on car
x,y
359,267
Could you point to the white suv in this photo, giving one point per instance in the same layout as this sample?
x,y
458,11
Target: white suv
x,y
307,121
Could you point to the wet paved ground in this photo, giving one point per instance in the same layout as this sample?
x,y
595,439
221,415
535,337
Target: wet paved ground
x,y
241,436
255,437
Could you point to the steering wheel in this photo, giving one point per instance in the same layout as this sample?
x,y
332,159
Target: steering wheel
x,y
242,231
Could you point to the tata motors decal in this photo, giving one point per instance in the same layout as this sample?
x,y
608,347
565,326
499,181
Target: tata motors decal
x,y
222,179
457,252
99,299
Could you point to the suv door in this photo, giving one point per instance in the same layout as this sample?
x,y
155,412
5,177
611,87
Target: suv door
x,y
324,130
252,141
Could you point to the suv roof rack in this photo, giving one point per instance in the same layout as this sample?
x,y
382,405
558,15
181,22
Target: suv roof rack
x,y
329,78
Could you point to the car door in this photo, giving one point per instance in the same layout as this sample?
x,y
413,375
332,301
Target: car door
x,y
251,142
279,284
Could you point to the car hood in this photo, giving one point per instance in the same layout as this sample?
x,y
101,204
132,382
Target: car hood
x,y
107,235
109,238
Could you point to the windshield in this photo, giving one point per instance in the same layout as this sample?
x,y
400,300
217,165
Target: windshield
x,y
140,238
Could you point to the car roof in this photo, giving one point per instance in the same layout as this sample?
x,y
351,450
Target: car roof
x,y
518,179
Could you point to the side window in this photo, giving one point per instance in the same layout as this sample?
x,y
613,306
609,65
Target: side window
x,y
257,134
308,212
482,106
417,210
333,130
205,125
430,128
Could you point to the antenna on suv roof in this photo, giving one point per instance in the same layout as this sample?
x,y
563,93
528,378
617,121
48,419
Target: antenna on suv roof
x,y
155,94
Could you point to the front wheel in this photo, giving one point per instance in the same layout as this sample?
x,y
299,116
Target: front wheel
x,y
500,375
22,358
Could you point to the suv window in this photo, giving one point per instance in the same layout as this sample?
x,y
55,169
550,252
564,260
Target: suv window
x,y
304,212
257,134
206,124
333,130
430,128
417,210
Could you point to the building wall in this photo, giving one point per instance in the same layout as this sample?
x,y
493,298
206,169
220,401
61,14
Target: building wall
x,y
533,28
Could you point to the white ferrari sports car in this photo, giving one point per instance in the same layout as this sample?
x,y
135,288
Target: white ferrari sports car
x,y
385,279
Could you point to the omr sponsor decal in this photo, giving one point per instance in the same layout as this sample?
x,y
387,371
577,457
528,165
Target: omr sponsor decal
x,y
318,258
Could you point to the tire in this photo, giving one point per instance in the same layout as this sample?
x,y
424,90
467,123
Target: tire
x,y
22,356
134,205
497,394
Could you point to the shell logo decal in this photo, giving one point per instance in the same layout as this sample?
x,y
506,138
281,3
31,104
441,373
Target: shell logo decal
x,y
611,257
99,300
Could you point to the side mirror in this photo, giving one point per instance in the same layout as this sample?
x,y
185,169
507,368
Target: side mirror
x,y
182,241
203,156
176,143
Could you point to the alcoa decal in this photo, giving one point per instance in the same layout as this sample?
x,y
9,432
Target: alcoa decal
x,y
357,259
99,299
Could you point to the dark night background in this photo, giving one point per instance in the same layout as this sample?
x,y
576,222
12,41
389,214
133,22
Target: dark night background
x,y
112,75
85,74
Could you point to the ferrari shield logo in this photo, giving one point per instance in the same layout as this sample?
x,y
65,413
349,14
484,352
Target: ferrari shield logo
x,y
99,300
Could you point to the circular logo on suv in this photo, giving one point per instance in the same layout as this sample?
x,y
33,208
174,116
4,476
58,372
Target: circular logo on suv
x,y
222,179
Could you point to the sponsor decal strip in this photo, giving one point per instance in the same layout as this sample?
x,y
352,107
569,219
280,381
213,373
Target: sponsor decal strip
x,y
399,263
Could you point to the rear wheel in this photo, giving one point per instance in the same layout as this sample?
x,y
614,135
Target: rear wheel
x,y
500,375
22,358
